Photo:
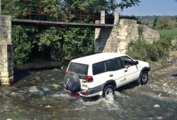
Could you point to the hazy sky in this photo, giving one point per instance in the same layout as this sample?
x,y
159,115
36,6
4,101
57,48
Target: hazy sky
x,y
152,7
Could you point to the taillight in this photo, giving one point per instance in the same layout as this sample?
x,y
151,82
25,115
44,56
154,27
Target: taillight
x,y
85,94
89,78
75,94
66,73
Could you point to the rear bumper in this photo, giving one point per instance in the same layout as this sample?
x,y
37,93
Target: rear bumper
x,y
87,93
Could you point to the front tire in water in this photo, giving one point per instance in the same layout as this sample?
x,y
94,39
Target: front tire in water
x,y
108,92
144,77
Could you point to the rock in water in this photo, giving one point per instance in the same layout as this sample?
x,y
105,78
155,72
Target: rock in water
x,y
156,106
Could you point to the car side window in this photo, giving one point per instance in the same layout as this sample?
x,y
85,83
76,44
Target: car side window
x,y
99,68
126,61
113,64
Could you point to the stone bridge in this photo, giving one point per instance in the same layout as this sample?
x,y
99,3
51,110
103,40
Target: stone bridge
x,y
108,38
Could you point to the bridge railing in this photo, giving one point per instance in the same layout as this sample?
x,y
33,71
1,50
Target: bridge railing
x,y
35,10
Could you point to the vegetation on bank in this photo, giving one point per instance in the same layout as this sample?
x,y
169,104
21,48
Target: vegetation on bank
x,y
142,50
169,32
164,23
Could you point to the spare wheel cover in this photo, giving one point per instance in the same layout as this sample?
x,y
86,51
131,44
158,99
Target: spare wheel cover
x,y
72,82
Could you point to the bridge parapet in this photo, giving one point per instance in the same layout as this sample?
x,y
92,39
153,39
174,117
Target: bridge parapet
x,y
53,12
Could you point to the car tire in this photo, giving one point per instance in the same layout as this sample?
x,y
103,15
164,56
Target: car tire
x,y
108,90
72,82
144,77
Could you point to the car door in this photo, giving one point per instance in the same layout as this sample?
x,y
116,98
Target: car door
x,y
115,71
100,74
131,70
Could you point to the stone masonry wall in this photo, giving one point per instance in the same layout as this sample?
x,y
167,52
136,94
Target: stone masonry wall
x,y
117,38
6,50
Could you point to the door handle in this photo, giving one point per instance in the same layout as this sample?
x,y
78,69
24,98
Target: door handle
x,y
125,70
110,75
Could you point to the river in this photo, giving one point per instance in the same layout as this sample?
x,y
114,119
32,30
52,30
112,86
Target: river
x,y
37,94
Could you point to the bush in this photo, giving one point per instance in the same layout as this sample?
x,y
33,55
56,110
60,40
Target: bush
x,y
149,52
22,40
62,43
67,43
164,23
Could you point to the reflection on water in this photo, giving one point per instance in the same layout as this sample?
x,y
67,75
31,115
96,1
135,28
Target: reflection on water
x,y
38,94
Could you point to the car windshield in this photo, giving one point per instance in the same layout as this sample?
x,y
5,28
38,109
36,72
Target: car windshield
x,y
78,68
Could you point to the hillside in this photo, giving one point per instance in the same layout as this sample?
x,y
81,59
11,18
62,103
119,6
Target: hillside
x,y
149,19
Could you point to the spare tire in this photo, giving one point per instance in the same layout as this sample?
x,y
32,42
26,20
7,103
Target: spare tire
x,y
72,82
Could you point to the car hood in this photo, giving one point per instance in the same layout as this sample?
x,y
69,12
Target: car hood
x,y
142,63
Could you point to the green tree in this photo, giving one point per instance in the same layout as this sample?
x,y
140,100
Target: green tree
x,y
66,43
155,21
164,23
23,38
109,4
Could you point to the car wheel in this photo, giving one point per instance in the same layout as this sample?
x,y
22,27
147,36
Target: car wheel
x,y
144,77
108,92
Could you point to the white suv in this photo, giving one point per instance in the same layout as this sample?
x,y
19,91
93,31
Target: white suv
x,y
100,74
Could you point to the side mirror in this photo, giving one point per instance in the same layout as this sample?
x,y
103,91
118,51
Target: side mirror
x,y
136,62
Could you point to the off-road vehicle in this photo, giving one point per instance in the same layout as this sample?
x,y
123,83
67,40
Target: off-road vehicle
x,y
100,74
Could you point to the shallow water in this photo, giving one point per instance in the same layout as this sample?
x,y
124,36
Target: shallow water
x,y
38,94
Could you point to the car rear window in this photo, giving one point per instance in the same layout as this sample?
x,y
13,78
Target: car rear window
x,y
78,68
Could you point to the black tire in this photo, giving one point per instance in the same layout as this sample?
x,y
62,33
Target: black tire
x,y
72,82
109,89
144,77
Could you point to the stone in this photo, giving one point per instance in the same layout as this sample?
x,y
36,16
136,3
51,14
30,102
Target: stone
x,y
160,118
160,95
45,89
55,85
38,84
48,106
156,106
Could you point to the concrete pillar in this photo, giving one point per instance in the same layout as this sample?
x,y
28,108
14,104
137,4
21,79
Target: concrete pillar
x,y
116,17
97,37
6,50
0,7
97,30
102,17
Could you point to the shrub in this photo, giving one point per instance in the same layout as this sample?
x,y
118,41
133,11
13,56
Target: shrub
x,y
67,43
149,52
22,39
164,23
